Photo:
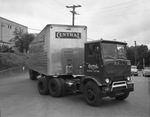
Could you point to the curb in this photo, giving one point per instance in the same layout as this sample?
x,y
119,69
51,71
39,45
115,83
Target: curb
x,y
10,69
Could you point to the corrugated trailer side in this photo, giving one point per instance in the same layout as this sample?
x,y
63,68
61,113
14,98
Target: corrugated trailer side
x,y
38,50
57,48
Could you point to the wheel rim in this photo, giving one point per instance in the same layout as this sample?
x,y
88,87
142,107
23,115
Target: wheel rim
x,y
90,95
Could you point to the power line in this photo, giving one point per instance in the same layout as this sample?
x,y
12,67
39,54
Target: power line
x,y
112,6
51,8
34,29
59,2
116,6
103,11
127,13
117,15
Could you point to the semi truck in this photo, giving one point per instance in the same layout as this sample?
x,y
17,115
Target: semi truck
x,y
63,61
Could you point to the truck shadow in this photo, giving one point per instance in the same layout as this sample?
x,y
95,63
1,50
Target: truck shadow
x,y
105,102
111,102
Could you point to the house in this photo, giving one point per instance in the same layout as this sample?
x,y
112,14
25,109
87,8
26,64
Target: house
x,y
7,28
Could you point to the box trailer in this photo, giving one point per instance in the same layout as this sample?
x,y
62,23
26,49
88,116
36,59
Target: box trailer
x,y
66,62
58,50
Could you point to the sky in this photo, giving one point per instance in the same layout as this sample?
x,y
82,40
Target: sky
x,y
124,20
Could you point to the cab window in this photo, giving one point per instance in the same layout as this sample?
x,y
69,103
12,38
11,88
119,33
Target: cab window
x,y
93,49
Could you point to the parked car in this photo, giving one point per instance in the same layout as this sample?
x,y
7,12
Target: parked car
x,y
134,70
146,71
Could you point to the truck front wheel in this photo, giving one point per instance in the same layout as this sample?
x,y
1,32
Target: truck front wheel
x,y
55,87
92,93
123,96
43,86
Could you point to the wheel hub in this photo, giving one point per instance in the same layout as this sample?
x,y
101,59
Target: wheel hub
x,y
53,87
90,94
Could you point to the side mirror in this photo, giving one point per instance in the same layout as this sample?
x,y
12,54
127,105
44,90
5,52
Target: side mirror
x,y
97,52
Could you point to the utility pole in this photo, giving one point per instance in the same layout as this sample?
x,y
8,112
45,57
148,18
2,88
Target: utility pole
x,y
135,51
143,63
73,11
1,37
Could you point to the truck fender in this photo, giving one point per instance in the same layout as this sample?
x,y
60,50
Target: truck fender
x,y
85,80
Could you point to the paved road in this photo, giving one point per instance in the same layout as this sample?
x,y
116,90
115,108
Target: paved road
x,y
19,98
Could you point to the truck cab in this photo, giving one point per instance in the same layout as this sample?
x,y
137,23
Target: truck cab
x,y
107,71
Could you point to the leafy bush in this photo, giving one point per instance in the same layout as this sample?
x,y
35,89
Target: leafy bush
x,y
9,60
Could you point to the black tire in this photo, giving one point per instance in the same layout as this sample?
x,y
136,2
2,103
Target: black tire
x,y
55,87
33,74
43,86
63,92
123,96
92,94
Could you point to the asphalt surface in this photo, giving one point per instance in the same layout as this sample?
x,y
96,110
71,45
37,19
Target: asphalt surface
x,y
19,97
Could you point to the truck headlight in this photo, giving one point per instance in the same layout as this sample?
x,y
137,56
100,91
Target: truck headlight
x,y
80,67
128,78
107,80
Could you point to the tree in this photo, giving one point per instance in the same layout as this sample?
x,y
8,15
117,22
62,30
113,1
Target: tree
x,y
131,54
147,59
22,40
141,52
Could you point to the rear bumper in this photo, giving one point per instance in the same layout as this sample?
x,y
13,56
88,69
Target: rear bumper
x,y
117,91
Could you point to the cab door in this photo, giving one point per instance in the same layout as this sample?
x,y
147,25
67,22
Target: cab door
x,y
93,59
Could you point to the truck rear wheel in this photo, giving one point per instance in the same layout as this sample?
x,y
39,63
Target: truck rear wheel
x,y
33,74
123,96
43,86
55,87
92,93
